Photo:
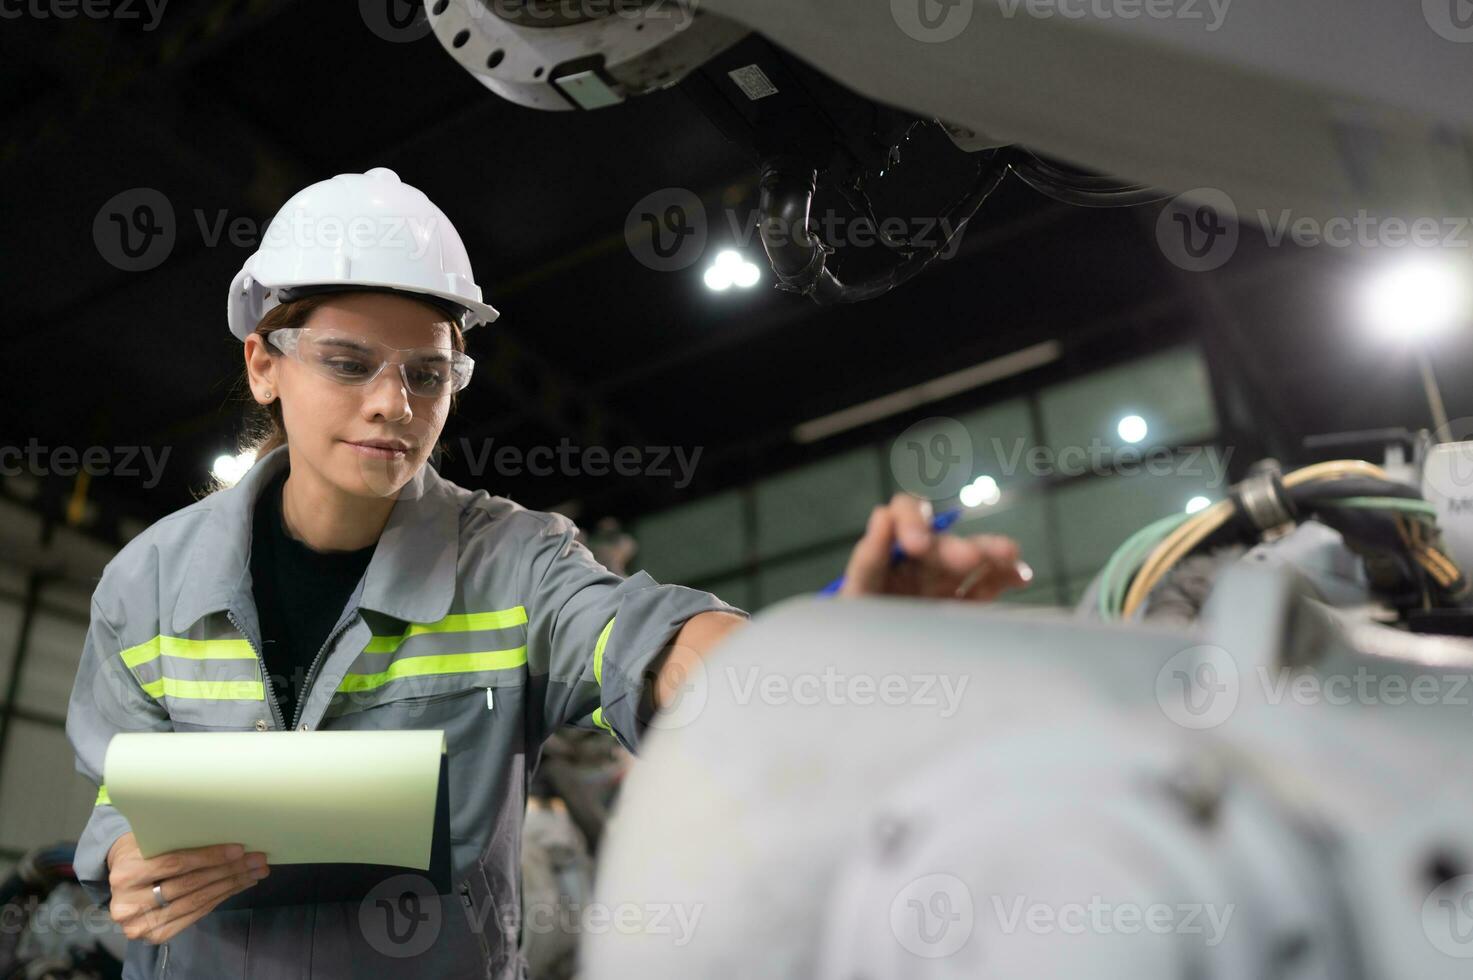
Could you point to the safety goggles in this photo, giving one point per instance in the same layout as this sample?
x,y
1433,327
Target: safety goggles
x,y
349,359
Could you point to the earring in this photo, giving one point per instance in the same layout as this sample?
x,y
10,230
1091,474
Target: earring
x,y
270,396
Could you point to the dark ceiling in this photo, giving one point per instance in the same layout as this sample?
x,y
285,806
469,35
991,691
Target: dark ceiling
x,y
228,108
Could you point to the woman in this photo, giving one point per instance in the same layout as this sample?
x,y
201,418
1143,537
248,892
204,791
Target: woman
x,y
343,584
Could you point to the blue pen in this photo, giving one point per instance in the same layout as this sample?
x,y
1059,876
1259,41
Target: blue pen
x,y
939,523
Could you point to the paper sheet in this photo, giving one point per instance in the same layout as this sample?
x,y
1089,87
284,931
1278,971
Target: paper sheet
x,y
301,797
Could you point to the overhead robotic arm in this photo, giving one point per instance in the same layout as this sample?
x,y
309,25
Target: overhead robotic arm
x,y
800,128
553,55
1320,108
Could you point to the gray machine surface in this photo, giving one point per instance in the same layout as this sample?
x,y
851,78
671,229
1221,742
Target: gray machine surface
x,y
1318,105
916,789
1322,107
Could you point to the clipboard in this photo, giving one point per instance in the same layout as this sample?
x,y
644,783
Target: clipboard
x,y
310,884
338,813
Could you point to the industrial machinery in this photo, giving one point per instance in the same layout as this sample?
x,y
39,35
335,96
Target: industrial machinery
x,y
1261,774
1366,540
1256,111
1243,755
920,789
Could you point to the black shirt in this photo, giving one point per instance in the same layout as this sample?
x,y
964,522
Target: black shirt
x,y
300,595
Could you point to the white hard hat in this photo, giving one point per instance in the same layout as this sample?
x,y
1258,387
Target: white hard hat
x,y
368,230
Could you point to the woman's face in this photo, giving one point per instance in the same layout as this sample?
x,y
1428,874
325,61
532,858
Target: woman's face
x,y
328,423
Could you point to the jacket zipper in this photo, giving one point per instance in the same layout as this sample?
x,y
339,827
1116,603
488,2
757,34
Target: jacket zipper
x,y
312,671
164,960
261,661
479,921
433,698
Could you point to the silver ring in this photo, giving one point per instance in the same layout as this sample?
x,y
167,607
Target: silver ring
x,y
973,577
158,896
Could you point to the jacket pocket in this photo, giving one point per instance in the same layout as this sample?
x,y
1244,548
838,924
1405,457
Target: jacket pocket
x,y
436,698
414,695
478,921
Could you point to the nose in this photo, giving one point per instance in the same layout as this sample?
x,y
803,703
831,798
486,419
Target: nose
x,y
386,398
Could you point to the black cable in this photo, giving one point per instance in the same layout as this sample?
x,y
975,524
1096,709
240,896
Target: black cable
x,y
799,257
1351,486
1084,190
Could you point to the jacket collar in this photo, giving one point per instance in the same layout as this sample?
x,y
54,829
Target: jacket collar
x,y
411,575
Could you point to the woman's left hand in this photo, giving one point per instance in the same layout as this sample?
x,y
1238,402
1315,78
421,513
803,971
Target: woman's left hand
x,y
941,566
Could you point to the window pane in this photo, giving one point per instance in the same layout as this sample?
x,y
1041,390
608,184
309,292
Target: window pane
x,y
696,539
1170,392
1097,515
818,503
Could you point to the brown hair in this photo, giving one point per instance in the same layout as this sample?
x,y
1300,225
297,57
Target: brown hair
x,y
265,428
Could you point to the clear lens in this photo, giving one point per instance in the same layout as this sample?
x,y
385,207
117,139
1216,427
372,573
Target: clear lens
x,y
429,372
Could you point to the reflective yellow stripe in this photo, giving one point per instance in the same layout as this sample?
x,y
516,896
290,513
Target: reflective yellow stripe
x,y
175,646
227,690
598,719
498,619
598,653
102,796
449,663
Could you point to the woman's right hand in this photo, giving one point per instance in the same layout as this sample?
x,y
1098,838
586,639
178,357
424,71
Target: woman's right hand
x,y
194,880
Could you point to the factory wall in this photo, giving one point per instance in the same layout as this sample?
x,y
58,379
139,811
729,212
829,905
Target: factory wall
x,y
1065,497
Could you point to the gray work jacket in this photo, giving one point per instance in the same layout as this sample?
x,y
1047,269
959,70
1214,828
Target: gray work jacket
x,y
476,616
